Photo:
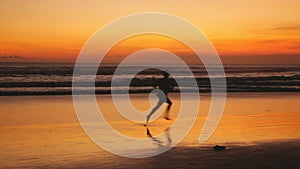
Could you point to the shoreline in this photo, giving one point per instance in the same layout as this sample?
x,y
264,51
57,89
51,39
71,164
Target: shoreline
x,y
131,92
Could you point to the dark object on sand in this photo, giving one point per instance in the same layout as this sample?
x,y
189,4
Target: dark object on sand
x,y
219,148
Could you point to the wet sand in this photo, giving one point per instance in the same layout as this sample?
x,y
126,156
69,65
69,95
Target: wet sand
x,y
259,130
275,155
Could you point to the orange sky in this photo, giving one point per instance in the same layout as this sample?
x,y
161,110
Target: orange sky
x,y
242,31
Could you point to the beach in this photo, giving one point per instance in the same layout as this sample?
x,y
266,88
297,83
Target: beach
x,y
260,130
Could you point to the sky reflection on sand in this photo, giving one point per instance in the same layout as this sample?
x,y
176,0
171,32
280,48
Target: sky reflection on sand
x,y
45,129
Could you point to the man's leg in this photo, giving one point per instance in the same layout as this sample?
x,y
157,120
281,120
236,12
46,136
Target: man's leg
x,y
160,102
169,103
168,109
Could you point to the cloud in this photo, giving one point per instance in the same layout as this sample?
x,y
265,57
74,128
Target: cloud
x,y
276,31
294,42
285,28
295,47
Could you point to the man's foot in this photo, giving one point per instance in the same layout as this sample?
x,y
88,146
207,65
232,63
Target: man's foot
x,y
167,118
147,119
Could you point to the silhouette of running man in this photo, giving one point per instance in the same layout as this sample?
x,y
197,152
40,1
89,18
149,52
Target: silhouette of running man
x,y
165,86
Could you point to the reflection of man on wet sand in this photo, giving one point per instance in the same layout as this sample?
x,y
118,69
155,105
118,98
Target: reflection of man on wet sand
x,y
165,86
159,142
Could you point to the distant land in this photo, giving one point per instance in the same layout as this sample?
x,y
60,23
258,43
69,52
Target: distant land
x,y
11,57
282,59
18,58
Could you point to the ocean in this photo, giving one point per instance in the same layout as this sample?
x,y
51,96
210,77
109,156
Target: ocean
x,y
56,79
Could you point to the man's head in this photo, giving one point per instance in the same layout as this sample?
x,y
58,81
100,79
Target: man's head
x,y
165,74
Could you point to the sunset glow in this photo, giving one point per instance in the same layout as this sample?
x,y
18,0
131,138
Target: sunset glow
x,y
267,31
